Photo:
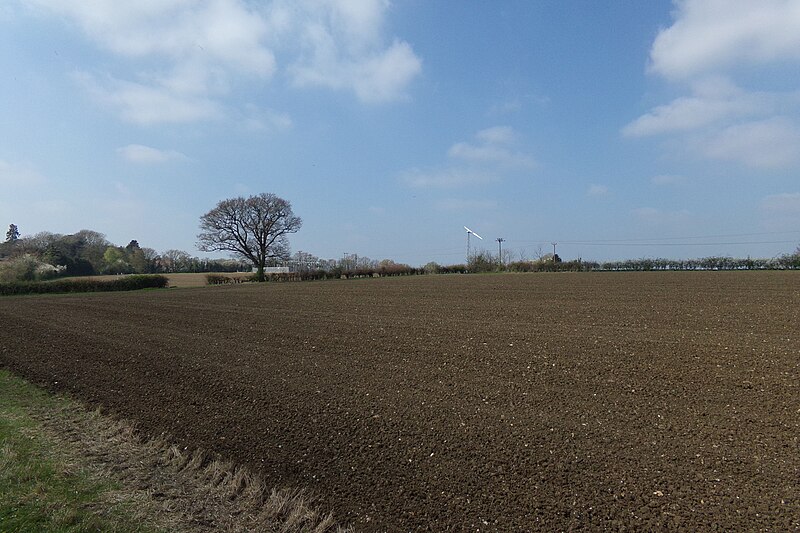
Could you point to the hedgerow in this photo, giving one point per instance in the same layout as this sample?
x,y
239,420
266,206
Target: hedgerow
x,y
126,283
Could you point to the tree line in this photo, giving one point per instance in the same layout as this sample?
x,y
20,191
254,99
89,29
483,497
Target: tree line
x,y
255,231
487,262
47,255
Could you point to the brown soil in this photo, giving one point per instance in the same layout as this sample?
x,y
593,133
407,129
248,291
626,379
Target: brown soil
x,y
166,487
514,402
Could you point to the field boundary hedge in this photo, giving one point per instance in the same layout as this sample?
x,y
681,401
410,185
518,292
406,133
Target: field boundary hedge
x,y
125,283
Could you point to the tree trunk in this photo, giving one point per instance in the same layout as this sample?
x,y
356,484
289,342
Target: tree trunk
x,y
260,273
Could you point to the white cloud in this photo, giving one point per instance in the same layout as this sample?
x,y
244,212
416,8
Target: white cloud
x,y
712,35
477,163
189,56
597,190
447,178
149,104
713,100
266,119
710,43
492,148
490,154
497,135
200,47
137,153
216,34
772,143
17,175
374,73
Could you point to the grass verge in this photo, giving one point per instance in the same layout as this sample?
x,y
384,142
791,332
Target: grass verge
x,y
41,486
66,469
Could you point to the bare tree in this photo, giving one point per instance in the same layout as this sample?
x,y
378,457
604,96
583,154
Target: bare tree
x,y
253,228
175,260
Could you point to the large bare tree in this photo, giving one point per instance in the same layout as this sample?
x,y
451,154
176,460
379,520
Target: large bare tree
x,y
253,228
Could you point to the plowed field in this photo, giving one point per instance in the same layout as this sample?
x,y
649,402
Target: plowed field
x,y
458,403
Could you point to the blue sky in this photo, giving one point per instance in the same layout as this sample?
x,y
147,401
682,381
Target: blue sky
x,y
619,129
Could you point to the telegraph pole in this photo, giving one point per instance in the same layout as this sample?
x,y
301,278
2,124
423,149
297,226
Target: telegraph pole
x,y
500,242
554,251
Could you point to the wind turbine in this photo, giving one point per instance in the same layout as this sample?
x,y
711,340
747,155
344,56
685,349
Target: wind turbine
x,y
470,232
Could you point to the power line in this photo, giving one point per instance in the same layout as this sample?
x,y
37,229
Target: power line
x,y
659,239
622,243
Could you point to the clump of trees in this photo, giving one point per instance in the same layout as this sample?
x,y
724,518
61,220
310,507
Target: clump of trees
x,y
306,266
48,255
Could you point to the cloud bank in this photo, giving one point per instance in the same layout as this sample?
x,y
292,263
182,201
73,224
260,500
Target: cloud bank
x,y
711,43
179,60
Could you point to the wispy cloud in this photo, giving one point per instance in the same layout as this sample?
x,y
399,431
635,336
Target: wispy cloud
x,y
202,48
137,153
597,190
188,57
149,104
710,43
262,119
19,175
341,45
711,35
713,100
376,78
772,143
493,146
485,160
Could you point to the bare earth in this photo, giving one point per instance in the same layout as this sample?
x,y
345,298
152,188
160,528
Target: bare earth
x,y
513,402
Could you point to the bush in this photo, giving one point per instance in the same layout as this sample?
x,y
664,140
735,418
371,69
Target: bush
x,y
482,262
27,268
126,283
217,279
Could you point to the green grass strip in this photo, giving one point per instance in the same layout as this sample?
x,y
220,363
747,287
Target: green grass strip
x,y
41,488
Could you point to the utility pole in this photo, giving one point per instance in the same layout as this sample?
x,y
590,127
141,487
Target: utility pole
x,y
500,242
554,251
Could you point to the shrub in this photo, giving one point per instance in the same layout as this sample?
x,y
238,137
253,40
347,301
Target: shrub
x,y
217,279
482,262
27,267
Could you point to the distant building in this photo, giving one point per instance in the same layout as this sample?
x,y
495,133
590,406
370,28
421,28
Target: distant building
x,y
275,270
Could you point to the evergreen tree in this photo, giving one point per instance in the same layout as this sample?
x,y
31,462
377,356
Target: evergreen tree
x,y
13,233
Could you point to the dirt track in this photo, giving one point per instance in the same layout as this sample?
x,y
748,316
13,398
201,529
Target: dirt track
x,y
516,402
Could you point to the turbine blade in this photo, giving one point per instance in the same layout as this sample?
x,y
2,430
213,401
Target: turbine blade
x,y
478,236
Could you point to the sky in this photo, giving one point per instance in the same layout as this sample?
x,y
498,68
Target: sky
x,y
618,129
